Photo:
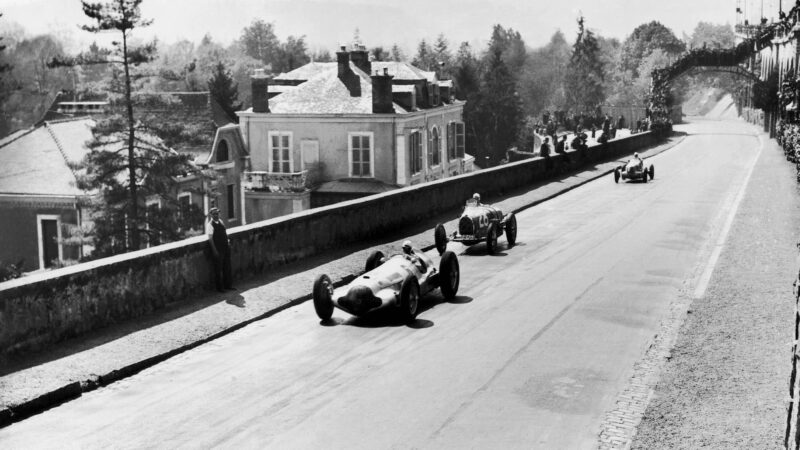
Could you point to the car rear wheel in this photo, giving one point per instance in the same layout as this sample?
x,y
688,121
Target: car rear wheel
x,y
616,175
440,238
449,275
491,238
652,172
375,259
644,176
323,304
511,230
409,298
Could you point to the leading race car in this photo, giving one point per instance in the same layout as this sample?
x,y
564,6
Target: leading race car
x,y
634,169
478,223
397,281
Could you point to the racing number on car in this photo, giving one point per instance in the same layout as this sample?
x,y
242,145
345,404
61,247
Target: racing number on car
x,y
483,221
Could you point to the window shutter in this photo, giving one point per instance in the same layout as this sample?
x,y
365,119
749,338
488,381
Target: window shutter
x,y
459,131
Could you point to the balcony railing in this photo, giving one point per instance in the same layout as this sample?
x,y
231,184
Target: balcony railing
x,y
275,182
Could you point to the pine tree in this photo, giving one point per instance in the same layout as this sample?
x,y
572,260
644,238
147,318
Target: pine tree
x,y
130,157
397,54
493,114
225,90
465,73
424,57
585,73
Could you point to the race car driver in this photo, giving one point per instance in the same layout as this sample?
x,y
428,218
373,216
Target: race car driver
x,y
411,255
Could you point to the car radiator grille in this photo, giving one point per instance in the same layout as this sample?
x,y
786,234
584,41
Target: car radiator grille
x,y
465,226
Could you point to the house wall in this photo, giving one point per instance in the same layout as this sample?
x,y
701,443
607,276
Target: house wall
x,y
20,240
39,310
268,205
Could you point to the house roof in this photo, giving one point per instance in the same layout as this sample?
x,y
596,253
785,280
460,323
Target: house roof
x,y
325,93
36,161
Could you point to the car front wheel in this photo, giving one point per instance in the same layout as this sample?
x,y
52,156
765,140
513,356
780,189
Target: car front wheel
x,y
511,230
440,238
491,238
323,304
449,275
409,298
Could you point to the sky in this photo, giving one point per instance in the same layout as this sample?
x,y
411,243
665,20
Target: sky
x,y
327,24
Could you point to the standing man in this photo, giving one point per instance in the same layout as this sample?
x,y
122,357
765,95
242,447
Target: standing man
x,y
220,251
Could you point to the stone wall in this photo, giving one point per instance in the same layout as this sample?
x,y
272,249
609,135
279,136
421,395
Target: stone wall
x,y
41,309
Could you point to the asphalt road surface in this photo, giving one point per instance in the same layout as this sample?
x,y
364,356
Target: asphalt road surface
x,y
534,350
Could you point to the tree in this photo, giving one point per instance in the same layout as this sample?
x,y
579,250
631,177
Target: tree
x,y
465,73
291,55
130,159
541,81
424,58
707,34
493,114
644,39
397,54
511,46
379,54
4,67
259,41
585,73
442,54
225,90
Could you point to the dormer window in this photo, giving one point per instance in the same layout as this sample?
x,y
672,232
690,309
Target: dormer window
x,y
222,151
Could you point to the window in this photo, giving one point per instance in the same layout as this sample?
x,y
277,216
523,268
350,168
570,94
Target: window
x,y
455,140
434,150
280,145
360,154
231,204
222,151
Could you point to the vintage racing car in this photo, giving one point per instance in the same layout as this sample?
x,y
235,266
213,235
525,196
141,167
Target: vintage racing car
x,y
634,169
397,281
478,223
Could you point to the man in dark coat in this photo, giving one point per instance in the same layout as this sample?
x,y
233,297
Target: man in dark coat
x,y
220,251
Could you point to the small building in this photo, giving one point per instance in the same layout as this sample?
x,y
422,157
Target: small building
x,y
328,132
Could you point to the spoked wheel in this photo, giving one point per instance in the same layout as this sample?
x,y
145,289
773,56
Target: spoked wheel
x,y
511,230
323,304
644,176
440,238
491,238
409,298
652,172
449,275
375,259
616,175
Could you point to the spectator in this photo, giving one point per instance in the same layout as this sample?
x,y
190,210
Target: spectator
x,y
561,148
621,122
220,251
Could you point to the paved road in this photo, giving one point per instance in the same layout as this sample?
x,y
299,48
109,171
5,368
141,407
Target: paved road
x,y
533,352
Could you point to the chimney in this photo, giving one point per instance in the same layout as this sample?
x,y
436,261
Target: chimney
x,y
349,78
382,93
360,58
260,89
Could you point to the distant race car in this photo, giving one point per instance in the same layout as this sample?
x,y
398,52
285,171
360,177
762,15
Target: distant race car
x,y
478,223
634,169
397,281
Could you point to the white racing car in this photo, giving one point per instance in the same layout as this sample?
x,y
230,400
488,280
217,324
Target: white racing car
x,y
634,169
396,281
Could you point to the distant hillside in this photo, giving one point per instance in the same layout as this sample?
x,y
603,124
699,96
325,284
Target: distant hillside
x,y
711,103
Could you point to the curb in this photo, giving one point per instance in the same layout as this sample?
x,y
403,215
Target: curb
x,y
71,391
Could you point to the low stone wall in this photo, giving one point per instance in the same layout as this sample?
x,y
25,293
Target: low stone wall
x,y
39,310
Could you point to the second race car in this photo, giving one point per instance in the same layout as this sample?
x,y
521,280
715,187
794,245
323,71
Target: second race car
x,y
479,223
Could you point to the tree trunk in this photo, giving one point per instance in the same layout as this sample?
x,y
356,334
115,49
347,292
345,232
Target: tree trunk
x,y
133,220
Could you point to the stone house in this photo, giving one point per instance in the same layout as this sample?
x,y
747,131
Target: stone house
x,y
334,131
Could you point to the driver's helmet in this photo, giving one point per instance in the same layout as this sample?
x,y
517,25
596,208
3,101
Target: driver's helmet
x,y
407,247
476,197
636,155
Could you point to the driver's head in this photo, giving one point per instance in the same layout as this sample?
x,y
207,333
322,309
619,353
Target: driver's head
x,y
636,155
407,247
476,197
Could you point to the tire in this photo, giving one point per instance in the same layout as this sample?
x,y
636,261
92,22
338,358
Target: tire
x,y
449,275
409,298
616,175
652,172
491,238
440,238
511,230
375,259
323,304
644,176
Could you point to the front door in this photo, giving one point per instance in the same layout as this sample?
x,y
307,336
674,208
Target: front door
x,y
49,242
